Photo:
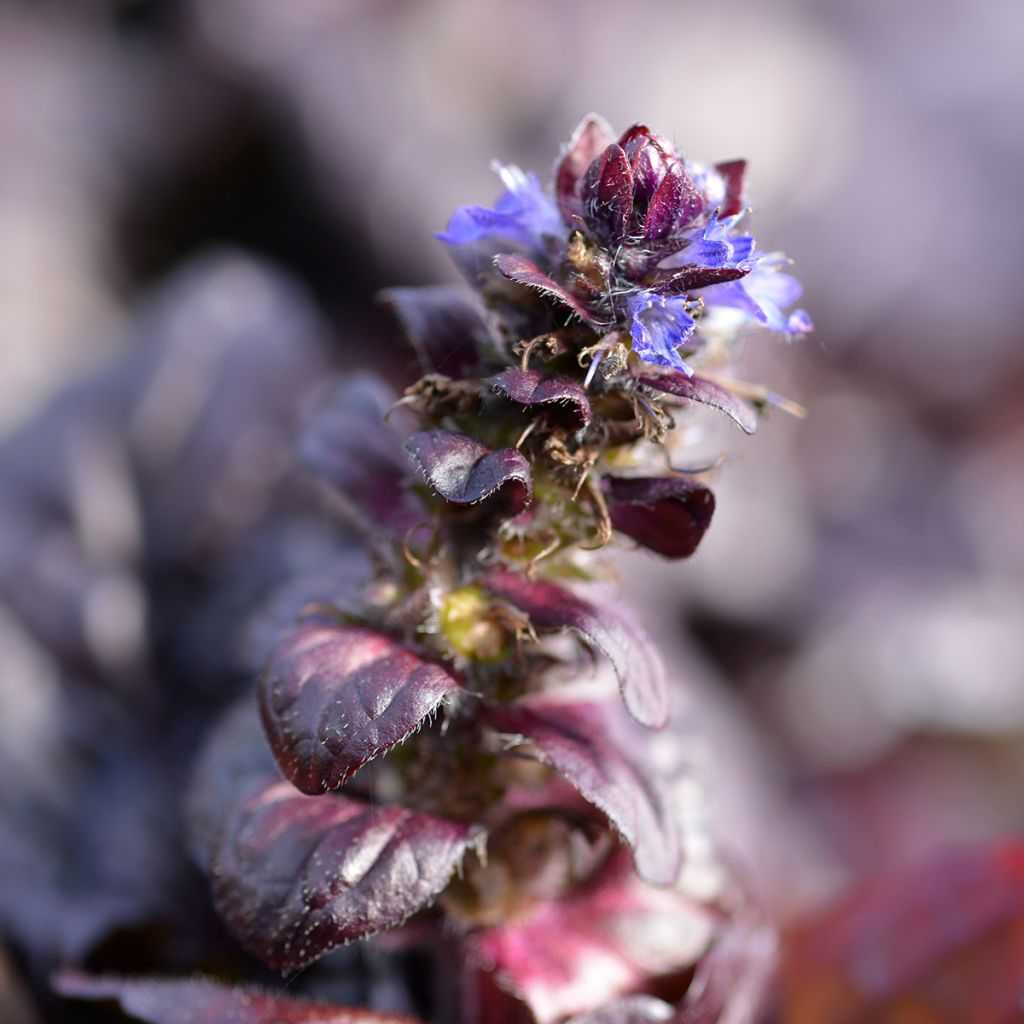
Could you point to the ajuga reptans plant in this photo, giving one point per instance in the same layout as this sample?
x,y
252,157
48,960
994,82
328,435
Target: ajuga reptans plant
x,y
438,730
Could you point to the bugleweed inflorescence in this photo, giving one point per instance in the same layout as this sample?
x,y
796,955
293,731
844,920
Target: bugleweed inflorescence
x,y
443,743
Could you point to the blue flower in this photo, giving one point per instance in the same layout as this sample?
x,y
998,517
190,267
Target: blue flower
x,y
712,246
660,324
763,295
523,214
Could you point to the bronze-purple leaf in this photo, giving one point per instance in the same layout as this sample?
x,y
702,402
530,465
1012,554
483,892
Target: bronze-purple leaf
x,y
734,981
295,876
591,137
464,471
733,173
688,279
201,1001
666,203
532,388
705,392
529,275
607,194
551,609
334,697
444,326
668,514
602,758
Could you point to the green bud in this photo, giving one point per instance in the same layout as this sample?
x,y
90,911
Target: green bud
x,y
469,624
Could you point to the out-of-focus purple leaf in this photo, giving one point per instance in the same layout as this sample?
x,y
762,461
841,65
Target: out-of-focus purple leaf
x,y
607,194
631,1010
668,514
348,443
297,875
532,388
576,954
316,571
334,697
234,761
939,941
444,325
731,983
233,349
604,761
201,1001
636,663
591,137
733,174
704,392
178,446
465,472
93,857
529,275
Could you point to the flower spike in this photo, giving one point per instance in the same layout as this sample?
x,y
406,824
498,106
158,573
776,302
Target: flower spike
x,y
471,726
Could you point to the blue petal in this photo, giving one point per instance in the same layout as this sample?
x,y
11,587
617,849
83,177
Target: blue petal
x,y
799,322
762,295
523,214
712,245
659,326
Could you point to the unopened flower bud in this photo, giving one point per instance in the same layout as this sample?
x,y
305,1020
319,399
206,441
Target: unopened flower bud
x,y
470,625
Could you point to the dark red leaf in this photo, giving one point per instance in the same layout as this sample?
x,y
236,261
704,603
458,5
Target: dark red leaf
x,y
200,1001
604,940
589,140
636,663
692,202
733,173
465,472
940,942
603,759
687,279
349,445
523,271
667,514
294,876
532,388
705,392
607,194
334,697
666,203
444,326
